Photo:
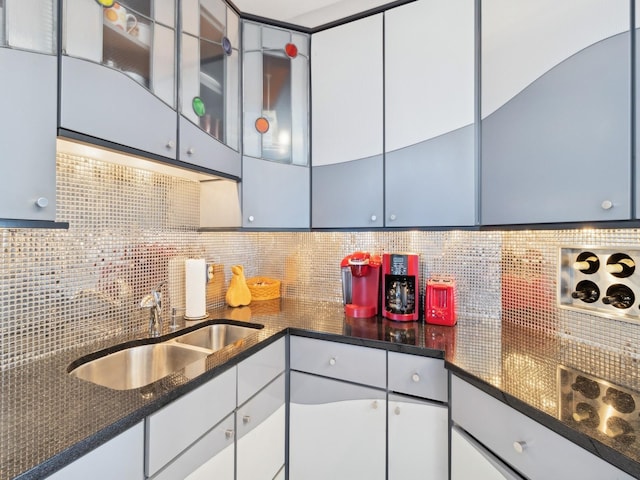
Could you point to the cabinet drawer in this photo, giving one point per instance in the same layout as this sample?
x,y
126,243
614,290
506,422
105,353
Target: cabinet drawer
x,y
211,457
172,429
261,433
420,376
339,360
503,430
261,407
259,369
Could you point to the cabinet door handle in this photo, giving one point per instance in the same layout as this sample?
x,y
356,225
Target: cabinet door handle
x,y
519,446
170,144
396,410
332,361
374,218
246,419
374,404
251,218
42,202
191,151
228,433
607,205
392,217
415,377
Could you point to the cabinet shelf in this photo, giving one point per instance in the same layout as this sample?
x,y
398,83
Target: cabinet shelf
x,y
126,51
211,83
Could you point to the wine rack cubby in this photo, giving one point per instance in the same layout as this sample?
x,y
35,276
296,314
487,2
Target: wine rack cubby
x,y
602,281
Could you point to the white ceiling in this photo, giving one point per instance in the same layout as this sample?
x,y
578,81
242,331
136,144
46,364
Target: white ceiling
x,y
306,13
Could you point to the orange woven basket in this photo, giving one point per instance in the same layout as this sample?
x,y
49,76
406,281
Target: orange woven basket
x,y
263,288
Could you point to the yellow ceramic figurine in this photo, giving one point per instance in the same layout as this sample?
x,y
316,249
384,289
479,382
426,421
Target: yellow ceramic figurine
x,y
238,293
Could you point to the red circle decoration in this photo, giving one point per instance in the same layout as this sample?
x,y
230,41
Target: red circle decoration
x,y
291,50
262,125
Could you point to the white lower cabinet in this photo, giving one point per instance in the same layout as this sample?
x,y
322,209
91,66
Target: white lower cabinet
x,y
120,457
261,441
337,430
469,459
231,428
418,417
174,428
360,412
520,442
212,456
417,429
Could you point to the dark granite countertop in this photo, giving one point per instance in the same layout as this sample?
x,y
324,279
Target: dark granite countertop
x,y
48,418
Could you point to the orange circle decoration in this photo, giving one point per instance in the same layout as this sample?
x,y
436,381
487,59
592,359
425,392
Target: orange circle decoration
x,y
262,125
291,50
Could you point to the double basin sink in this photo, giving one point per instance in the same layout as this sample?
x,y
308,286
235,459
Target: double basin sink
x,y
130,366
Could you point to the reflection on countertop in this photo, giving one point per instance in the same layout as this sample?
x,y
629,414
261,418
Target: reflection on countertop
x,y
47,418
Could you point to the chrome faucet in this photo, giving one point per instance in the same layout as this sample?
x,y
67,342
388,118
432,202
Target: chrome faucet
x,y
153,302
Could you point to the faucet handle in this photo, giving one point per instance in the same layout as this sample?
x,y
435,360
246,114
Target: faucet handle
x,y
157,295
148,301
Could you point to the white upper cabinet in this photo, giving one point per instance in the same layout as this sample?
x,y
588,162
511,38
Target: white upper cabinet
x,y
347,125
555,111
118,73
275,175
210,83
346,84
429,113
29,105
276,94
637,110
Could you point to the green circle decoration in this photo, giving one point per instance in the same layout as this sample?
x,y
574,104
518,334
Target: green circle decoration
x,y
198,106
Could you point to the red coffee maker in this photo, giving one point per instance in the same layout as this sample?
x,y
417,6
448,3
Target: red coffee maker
x,y
400,286
361,284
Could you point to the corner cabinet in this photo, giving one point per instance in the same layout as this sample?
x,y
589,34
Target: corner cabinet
x,y
275,164
418,417
430,165
118,73
29,93
210,86
555,111
372,424
347,125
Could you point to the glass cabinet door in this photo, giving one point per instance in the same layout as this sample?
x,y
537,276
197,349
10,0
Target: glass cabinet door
x,y
29,25
210,66
276,94
136,37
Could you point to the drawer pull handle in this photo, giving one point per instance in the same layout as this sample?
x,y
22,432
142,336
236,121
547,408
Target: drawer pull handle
x,y
228,433
374,405
332,361
415,377
246,419
519,446
397,411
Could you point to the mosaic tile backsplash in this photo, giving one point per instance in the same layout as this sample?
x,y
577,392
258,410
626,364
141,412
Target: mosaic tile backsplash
x,y
60,288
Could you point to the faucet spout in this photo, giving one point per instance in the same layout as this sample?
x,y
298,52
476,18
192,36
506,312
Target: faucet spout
x,y
153,302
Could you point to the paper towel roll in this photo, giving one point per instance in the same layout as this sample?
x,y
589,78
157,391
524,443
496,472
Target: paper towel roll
x,y
195,276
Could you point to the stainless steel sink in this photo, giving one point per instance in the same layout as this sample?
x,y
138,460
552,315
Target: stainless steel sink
x,y
137,366
140,365
214,337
